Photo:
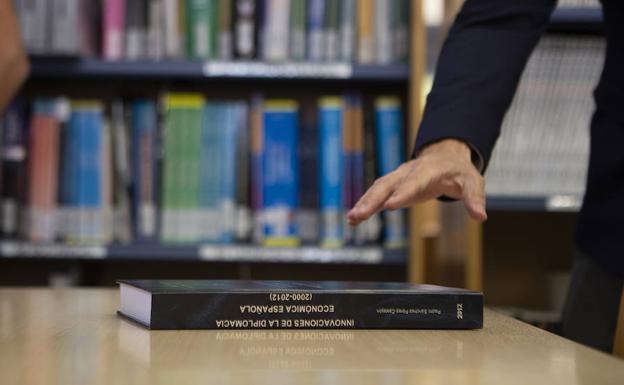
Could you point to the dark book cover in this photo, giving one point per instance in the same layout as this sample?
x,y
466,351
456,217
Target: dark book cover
x,y
231,304
14,147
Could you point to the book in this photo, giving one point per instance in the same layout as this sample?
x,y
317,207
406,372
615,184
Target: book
x,y
279,173
144,125
34,22
297,42
244,29
182,139
136,28
348,15
230,126
201,28
390,150
113,29
65,30
366,36
331,160
383,32
224,33
331,28
212,175
316,15
43,163
357,163
370,229
122,174
84,174
308,224
206,304
155,29
257,143
14,150
173,26
276,28
243,221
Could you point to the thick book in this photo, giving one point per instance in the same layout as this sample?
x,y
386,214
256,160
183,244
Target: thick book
x,y
206,304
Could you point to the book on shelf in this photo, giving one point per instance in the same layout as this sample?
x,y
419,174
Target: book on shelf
x,y
184,169
171,304
331,160
144,150
365,32
390,155
14,127
280,173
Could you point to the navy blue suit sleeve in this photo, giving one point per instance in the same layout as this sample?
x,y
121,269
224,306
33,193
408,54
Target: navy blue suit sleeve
x,y
478,71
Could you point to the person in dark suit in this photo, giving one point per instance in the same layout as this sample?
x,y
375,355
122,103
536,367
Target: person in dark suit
x,y
13,61
476,77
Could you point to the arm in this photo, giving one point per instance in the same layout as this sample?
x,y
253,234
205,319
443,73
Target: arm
x,y
14,65
477,74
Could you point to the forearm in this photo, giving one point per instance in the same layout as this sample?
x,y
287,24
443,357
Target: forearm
x,y
14,65
478,71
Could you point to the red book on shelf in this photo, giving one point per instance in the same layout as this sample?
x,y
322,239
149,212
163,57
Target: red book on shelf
x,y
113,20
43,172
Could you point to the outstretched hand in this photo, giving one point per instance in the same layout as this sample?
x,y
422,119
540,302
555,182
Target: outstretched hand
x,y
443,168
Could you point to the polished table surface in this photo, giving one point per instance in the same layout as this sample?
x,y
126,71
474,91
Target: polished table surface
x,y
72,336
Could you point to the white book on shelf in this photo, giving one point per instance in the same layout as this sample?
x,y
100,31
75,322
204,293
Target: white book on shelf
x,y
276,27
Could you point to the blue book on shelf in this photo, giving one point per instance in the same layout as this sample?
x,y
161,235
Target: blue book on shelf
x,y
144,131
279,173
330,121
86,200
211,172
316,15
390,154
230,130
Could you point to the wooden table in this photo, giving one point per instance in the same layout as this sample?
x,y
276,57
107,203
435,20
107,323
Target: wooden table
x,y
73,336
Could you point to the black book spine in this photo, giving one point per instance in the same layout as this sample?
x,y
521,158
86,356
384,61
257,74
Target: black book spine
x,y
244,26
14,147
312,310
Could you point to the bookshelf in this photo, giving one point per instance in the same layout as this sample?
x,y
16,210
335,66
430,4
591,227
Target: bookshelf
x,y
97,77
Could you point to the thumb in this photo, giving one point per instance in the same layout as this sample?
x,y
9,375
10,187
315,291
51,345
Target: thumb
x,y
473,196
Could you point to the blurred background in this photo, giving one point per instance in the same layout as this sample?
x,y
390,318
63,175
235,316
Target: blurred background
x,y
228,138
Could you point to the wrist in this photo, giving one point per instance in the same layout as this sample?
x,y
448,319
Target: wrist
x,y
453,147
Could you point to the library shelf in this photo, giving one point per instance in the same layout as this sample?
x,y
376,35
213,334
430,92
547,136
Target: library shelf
x,y
208,253
552,203
580,20
73,67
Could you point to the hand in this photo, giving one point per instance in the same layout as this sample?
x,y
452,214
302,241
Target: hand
x,y
442,168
